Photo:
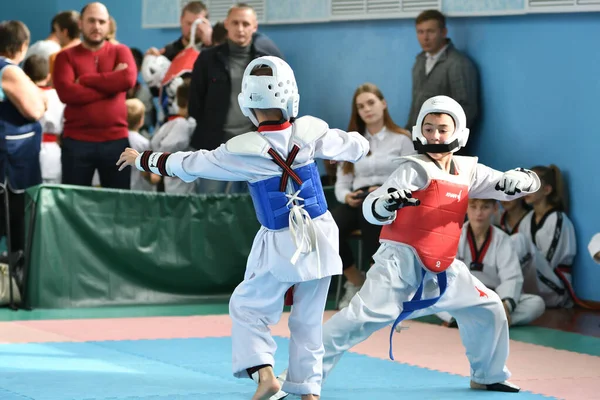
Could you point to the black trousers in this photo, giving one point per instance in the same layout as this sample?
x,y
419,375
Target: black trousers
x,y
80,159
349,219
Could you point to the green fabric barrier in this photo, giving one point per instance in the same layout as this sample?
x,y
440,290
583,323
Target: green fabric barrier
x,y
94,247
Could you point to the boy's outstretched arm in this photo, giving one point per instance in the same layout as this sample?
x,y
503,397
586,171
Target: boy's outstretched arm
x,y
186,165
488,183
338,145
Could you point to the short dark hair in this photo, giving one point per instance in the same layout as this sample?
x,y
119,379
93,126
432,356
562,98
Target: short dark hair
x,y
52,23
36,67
183,94
242,6
138,56
68,20
429,15
13,35
195,7
262,70
219,33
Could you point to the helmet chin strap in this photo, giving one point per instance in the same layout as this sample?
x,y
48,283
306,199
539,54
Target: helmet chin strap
x,y
436,148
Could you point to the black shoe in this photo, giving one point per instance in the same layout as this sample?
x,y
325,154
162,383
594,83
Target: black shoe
x,y
505,386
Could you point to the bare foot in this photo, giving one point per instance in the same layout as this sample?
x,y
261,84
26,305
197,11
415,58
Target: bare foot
x,y
268,384
310,397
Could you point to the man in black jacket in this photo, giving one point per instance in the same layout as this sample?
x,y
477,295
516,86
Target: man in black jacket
x,y
216,83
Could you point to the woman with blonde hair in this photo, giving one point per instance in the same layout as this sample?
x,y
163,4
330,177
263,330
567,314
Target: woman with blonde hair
x,y
389,142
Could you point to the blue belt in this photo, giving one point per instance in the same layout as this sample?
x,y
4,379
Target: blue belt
x,y
408,307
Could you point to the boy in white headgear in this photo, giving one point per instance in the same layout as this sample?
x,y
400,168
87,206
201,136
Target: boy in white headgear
x,y
422,207
297,244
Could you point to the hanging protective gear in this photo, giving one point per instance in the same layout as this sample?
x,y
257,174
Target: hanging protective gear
x,y
154,69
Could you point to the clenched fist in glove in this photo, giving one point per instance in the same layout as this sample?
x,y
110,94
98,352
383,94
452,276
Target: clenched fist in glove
x,y
516,181
385,206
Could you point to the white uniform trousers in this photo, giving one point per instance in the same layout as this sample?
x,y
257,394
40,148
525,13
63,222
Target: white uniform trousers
x,y
50,163
257,303
394,279
529,308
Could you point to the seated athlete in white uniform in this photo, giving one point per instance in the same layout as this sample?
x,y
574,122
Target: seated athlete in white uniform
x,y
549,228
491,257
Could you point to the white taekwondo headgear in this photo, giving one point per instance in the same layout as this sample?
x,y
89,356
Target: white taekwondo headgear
x,y
154,69
445,105
262,92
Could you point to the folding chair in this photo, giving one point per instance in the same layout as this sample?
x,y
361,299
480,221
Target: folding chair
x,y
357,234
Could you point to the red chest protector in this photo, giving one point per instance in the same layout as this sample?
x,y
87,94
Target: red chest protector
x,y
433,228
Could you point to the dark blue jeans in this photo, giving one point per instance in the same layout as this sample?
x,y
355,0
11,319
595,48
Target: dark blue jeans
x,y
80,160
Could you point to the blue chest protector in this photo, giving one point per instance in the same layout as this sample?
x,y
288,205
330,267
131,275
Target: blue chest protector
x,y
20,143
273,206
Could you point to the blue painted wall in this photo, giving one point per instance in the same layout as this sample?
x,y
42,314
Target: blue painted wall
x,y
539,78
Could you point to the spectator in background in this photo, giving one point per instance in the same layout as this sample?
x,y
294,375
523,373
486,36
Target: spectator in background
x,y
549,228
46,47
216,83
440,69
142,92
36,68
174,135
67,30
140,180
22,104
92,79
112,30
219,34
489,254
387,143
190,13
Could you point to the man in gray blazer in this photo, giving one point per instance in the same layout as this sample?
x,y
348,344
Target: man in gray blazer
x,y
440,69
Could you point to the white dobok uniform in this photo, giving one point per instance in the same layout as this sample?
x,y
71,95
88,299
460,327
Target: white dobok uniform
x,y
52,127
416,259
497,266
297,244
554,238
175,135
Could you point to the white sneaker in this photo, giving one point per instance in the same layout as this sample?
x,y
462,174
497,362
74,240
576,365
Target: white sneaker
x,y
350,291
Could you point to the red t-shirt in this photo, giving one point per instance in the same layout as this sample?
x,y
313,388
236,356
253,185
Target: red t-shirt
x,y
94,93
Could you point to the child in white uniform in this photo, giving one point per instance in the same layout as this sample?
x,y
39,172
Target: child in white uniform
x,y
297,244
175,135
140,180
422,207
36,67
491,258
548,227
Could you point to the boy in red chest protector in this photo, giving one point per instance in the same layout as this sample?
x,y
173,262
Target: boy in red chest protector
x,y
422,207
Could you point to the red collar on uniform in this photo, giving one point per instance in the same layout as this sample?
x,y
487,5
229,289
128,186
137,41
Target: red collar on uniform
x,y
273,127
172,117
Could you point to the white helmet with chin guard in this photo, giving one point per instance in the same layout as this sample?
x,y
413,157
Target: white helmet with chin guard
x,y
265,92
444,105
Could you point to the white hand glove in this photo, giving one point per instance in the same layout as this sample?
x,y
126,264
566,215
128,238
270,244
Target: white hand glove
x,y
515,181
385,206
